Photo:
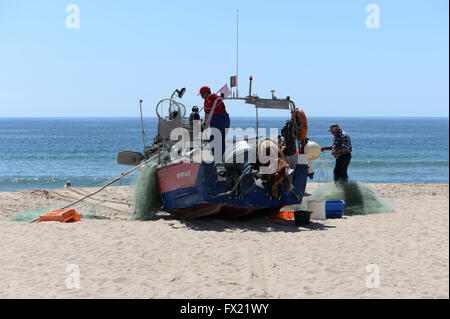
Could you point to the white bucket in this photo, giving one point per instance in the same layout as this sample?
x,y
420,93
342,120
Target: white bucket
x,y
317,207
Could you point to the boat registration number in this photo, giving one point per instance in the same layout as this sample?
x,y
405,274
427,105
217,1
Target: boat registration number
x,y
183,174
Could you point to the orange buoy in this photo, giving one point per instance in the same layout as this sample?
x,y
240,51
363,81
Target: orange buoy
x,y
60,215
284,214
303,124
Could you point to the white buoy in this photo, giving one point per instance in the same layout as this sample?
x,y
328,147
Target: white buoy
x,y
312,150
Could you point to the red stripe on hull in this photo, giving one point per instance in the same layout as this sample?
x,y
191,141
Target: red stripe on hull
x,y
182,175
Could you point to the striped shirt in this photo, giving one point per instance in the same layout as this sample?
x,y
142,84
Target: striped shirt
x,y
342,141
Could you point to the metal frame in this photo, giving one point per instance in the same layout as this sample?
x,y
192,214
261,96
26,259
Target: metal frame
x,y
256,100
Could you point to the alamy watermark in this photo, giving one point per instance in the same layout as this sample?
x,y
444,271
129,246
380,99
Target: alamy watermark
x,y
373,277
198,147
73,19
373,19
73,279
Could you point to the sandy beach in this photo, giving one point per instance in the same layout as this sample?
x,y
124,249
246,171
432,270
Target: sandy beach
x,y
388,255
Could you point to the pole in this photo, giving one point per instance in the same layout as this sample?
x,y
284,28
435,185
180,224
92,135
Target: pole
x,y
237,52
142,124
257,126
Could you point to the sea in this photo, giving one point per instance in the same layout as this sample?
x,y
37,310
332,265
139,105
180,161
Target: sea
x,y
48,152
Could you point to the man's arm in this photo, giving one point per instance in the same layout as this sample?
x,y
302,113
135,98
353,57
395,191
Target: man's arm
x,y
326,148
336,152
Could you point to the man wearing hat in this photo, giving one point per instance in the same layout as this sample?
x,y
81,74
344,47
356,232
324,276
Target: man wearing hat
x,y
341,150
220,118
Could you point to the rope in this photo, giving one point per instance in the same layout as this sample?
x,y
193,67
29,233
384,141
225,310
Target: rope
x,y
107,184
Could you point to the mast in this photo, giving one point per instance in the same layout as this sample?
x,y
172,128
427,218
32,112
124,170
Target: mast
x,y
237,52
142,123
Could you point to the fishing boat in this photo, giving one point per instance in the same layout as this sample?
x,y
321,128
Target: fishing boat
x,y
237,185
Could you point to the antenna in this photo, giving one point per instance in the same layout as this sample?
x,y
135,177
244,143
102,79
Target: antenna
x,y
142,124
237,52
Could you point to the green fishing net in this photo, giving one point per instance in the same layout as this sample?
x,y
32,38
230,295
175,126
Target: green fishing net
x,y
32,215
163,150
359,199
147,200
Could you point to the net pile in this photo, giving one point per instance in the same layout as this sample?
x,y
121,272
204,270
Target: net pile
x,y
359,199
147,200
32,215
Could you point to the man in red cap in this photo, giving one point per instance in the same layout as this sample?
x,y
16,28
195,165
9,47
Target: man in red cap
x,y
220,118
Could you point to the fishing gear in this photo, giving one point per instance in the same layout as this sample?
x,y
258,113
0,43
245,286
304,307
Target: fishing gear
x,y
106,185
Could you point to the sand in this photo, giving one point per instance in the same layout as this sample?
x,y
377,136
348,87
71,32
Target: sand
x,y
388,255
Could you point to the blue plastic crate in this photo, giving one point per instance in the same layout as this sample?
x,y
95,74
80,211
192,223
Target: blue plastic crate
x,y
337,214
334,206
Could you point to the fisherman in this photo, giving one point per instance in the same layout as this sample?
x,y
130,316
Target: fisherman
x,y
220,118
342,151
195,116
67,185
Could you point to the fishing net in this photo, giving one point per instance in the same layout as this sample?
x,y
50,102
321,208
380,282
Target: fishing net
x,y
359,199
163,150
323,172
32,215
146,197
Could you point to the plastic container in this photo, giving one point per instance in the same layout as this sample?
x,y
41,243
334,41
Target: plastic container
x,y
337,214
60,215
334,208
334,205
285,214
302,217
317,207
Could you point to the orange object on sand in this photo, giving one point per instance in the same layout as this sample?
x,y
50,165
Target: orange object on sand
x,y
60,215
285,214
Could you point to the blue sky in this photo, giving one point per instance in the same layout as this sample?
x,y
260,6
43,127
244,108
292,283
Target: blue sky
x,y
318,52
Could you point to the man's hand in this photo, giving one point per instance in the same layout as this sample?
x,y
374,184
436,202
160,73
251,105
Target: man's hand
x,y
336,152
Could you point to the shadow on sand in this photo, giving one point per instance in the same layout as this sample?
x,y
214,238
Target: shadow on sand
x,y
256,224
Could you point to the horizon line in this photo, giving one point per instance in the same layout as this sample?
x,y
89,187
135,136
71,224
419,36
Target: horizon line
x,y
238,116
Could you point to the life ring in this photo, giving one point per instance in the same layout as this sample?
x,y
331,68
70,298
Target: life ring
x,y
303,129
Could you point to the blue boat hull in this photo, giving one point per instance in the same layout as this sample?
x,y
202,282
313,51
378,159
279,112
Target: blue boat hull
x,y
189,189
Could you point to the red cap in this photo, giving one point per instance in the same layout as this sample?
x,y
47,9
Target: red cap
x,y
204,89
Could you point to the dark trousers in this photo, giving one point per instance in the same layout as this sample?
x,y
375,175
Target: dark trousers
x,y
340,170
221,122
